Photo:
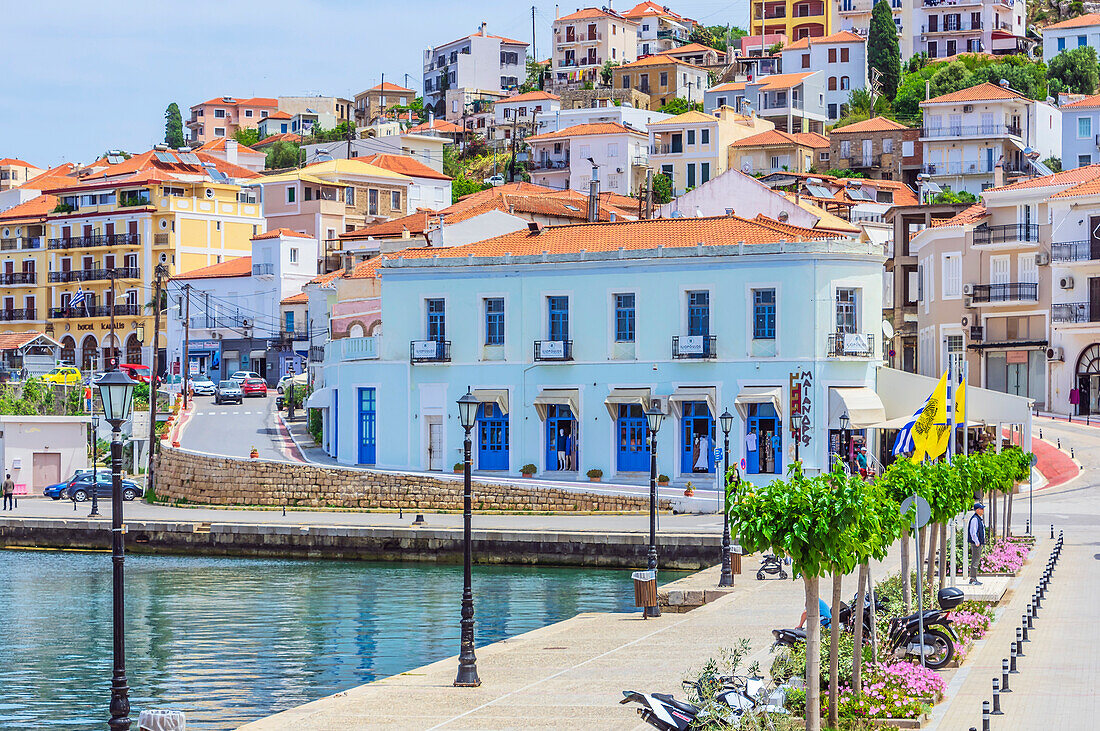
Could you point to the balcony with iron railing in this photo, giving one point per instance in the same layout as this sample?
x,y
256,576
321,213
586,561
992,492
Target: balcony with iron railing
x,y
553,350
960,26
11,278
81,242
1073,312
1011,233
971,130
854,7
95,311
694,347
968,167
1006,292
864,161
430,351
288,336
213,322
91,275
850,345
953,3
1068,252
263,270
22,315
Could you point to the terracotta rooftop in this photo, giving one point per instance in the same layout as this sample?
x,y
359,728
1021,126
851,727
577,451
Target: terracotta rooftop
x,y
34,208
1079,22
328,277
656,60
282,137
154,169
52,179
689,49
972,214
404,164
877,124
1067,178
779,137
579,130
219,144
730,86
692,115
531,96
781,81
1089,101
650,9
16,161
527,198
387,86
844,36
256,101
281,232
588,13
436,125
11,341
415,223
279,115
979,93
239,267
295,299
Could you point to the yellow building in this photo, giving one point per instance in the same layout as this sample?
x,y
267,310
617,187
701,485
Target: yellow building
x,y
22,265
112,228
793,18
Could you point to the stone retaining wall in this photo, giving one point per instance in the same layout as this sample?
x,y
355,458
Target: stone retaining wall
x,y
204,479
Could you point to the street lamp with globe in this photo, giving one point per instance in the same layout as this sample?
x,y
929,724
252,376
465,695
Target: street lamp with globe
x,y
467,662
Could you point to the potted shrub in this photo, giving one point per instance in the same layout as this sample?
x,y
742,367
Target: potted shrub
x,y
689,491
527,470
594,474
662,480
459,468
254,454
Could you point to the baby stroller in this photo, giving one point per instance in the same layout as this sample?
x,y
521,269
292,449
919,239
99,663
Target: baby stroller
x,y
772,564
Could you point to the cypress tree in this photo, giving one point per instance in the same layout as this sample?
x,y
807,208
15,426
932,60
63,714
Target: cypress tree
x,y
883,52
173,126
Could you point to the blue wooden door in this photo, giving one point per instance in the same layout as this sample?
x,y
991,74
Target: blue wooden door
x,y
697,436
561,438
492,443
367,424
632,452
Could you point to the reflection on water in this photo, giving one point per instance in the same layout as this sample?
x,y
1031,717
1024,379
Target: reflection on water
x,y
230,640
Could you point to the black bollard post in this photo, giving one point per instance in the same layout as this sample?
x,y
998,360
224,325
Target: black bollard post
x,y
1030,617
985,715
1040,433
1012,656
1004,676
1059,442
997,699
1071,454
1021,638
1024,627
1052,531
1036,602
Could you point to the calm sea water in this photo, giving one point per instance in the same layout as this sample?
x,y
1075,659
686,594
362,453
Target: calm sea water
x,y
231,640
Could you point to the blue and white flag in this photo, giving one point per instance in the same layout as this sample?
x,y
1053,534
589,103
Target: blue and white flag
x,y
78,298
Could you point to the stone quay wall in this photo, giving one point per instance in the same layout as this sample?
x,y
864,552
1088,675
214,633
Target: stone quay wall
x,y
209,480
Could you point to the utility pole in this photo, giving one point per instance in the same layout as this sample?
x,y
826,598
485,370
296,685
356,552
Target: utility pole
x,y
351,136
512,162
114,338
534,51
159,274
186,368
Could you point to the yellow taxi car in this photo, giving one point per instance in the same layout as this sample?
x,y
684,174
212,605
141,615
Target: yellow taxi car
x,y
65,375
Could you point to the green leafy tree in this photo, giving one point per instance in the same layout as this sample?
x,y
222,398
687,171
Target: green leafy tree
x,y
704,35
679,106
282,154
247,137
1076,70
1054,163
173,126
463,186
662,188
954,196
883,51
606,72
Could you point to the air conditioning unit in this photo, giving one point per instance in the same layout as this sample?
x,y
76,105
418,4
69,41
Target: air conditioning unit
x,y
1055,354
969,303
968,108
216,336
1042,259
209,192
968,288
660,403
1066,282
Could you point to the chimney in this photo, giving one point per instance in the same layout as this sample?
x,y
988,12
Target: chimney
x,y
557,12
482,31
534,227
231,152
999,172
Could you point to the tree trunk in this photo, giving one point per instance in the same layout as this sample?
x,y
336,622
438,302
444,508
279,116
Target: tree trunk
x,y
992,514
943,554
1008,514
857,630
834,649
930,561
813,654
906,571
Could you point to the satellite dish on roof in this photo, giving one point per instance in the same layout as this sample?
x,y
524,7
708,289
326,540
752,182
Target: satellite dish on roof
x,y
887,330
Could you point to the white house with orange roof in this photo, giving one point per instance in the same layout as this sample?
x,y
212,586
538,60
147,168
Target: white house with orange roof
x,y
583,41
976,138
774,151
1084,30
14,173
480,61
691,148
525,113
571,158
596,324
659,29
843,59
276,123
793,102
222,117
234,153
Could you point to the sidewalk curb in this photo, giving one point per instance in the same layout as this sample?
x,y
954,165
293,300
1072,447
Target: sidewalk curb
x,y
297,446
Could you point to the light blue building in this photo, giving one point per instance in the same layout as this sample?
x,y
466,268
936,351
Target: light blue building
x,y
1081,133
567,334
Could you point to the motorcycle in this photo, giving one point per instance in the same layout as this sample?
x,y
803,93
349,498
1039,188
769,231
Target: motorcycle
x,y
771,564
734,698
938,640
793,636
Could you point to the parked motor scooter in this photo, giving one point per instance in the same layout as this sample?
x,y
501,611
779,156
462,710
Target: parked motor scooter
x,y
735,697
939,639
844,615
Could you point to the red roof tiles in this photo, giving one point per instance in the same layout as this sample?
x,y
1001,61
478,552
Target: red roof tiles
x,y
34,208
404,164
281,232
239,267
579,130
877,124
979,93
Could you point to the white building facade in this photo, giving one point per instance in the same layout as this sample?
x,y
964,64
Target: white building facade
x,y
569,158
479,62
843,58
1084,30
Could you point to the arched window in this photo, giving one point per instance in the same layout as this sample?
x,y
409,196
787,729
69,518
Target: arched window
x,y
356,331
133,349
832,83
845,83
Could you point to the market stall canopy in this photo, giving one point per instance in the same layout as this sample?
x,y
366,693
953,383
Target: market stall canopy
x,y
626,397
320,399
759,395
903,393
696,393
570,397
862,404
498,396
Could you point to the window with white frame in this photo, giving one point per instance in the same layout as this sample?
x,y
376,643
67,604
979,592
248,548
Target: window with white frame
x,y
953,349
847,310
293,255
952,276
1028,269
1084,128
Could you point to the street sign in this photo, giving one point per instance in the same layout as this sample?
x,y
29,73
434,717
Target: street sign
x,y
744,465
924,511
719,452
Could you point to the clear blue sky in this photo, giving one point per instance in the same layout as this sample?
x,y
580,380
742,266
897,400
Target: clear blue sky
x,y
78,78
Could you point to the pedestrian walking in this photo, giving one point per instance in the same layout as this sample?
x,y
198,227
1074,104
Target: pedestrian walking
x,y
975,536
9,493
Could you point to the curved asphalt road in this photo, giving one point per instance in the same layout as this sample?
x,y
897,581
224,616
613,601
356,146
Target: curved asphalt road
x,y
231,430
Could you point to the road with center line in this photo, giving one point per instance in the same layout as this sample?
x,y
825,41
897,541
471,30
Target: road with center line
x,y
231,430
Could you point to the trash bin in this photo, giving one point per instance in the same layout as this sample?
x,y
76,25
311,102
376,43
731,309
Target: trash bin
x,y
162,721
735,558
645,592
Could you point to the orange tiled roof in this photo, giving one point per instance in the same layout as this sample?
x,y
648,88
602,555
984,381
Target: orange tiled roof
x,y
295,299
652,10
147,168
1078,22
436,125
278,115
780,81
587,13
689,48
52,179
877,124
326,278
979,93
219,144
11,341
972,214
731,86
778,137
844,36
532,96
281,232
414,223
36,207
404,164
1066,177
387,86
527,198
282,137
256,101
1089,101
16,161
579,130
369,269
644,234
239,267
656,60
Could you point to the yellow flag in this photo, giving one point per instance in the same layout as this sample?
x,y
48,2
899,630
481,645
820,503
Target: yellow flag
x,y
931,432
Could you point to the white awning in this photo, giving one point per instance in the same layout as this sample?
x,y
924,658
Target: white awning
x,y
320,399
257,354
759,395
903,393
862,404
626,396
498,396
696,393
570,397
899,422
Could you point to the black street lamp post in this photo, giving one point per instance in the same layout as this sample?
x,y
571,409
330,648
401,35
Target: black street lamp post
x,y
95,473
653,419
467,662
845,438
117,391
726,420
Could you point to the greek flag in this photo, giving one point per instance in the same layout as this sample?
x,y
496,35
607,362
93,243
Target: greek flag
x,y
78,298
904,443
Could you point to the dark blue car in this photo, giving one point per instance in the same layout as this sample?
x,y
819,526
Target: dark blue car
x,y
79,488
59,491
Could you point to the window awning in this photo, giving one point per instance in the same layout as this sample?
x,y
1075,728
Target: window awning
x,y
759,395
498,396
626,396
320,399
696,393
863,405
257,354
570,397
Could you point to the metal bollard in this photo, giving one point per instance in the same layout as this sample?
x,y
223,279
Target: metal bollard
x,y
1012,655
1004,676
1040,433
985,715
1059,442
1071,454
1024,627
1021,638
997,699
1052,531
1037,603
1028,524
1030,617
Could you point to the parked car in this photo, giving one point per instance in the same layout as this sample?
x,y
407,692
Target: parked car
x,y
301,379
80,487
60,490
66,375
137,371
494,180
240,376
202,386
228,390
254,387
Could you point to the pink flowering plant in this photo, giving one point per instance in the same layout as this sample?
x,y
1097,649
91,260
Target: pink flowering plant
x,y
894,690
1005,556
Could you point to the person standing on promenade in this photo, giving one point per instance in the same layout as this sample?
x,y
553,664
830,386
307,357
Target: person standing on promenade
x,y
9,493
975,536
